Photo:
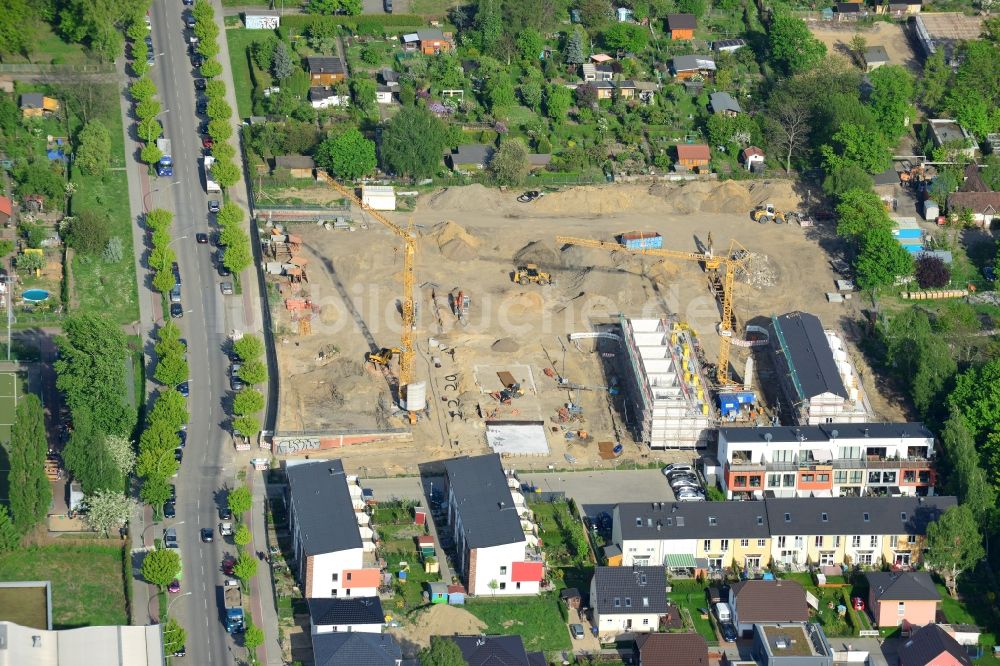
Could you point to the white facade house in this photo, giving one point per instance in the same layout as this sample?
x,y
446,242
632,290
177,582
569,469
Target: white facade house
x,y
498,550
331,535
361,614
665,385
326,98
628,599
832,460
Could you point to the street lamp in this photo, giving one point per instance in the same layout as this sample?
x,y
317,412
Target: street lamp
x,y
145,197
175,599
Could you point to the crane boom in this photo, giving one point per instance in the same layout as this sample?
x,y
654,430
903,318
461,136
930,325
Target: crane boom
x,y
734,260
407,352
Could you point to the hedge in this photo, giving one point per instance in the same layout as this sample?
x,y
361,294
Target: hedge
x,y
302,21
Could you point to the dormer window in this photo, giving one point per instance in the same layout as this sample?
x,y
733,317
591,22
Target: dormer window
x,y
867,517
788,517
712,520
825,517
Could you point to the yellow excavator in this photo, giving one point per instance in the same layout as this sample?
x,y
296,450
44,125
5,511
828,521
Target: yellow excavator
x,y
767,213
382,357
529,274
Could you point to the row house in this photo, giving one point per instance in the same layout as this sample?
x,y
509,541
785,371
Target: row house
x,y
491,525
332,537
702,537
832,460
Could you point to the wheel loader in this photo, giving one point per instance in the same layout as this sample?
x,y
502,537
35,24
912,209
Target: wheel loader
x,y
529,274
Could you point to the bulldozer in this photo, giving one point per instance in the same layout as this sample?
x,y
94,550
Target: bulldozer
x,y
382,357
529,274
767,213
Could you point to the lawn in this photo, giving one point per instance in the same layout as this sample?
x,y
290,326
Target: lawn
x,y
394,522
690,595
25,606
435,7
538,620
48,48
88,585
239,59
108,288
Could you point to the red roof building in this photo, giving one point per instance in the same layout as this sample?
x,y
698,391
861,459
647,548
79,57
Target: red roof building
x,y
6,209
693,155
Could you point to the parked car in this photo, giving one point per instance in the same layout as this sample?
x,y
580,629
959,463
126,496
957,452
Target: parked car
x,y
225,513
227,565
858,603
207,534
200,84
176,310
529,196
169,510
184,388
226,288
677,467
197,60
182,435
201,239
174,587
387,5
236,383
690,496
728,630
180,652
173,493
213,207
189,20
576,630
207,142
179,455
170,538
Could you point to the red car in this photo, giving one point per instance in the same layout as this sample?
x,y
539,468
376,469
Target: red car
x,y
858,603
174,587
227,565
207,142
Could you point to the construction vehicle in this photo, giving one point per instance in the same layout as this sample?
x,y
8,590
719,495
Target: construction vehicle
x,y
529,274
459,302
382,357
767,213
736,259
232,612
406,350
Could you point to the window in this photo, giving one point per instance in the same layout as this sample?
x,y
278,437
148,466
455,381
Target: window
x,y
867,517
825,517
628,602
680,521
707,545
856,476
911,539
645,620
826,559
800,542
888,477
503,571
902,516
618,602
807,478
503,586
855,541
788,481
873,541
840,476
517,586
909,476
818,541
348,575
823,478
901,609
849,452
712,520
865,559
744,543
333,593
893,541
336,577
755,481
761,543
645,602
348,592
781,541
773,480
788,517
740,480
786,455
724,545
752,562
836,541
638,522
760,520
873,477
924,476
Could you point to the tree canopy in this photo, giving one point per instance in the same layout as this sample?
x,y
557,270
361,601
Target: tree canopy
x,y
30,493
793,48
348,155
954,544
161,566
412,143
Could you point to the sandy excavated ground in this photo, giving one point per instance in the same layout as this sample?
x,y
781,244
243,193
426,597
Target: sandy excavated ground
x,y
438,620
890,35
471,238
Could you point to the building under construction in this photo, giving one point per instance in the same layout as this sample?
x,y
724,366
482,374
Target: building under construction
x,y
666,402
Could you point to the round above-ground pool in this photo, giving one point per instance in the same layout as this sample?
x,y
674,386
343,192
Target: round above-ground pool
x,y
35,295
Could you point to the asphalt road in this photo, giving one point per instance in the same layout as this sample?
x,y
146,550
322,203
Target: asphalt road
x,y
203,472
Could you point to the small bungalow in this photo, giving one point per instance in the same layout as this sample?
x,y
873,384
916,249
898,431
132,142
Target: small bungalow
x,y
592,72
428,41
752,158
724,103
6,211
456,595
948,132
383,197
850,11
471,157
571,597
613,555
605,89
539,161
438,592
687,66
36,105
899,8
687,649
728,45
895,599
693,156
681,26
875,57
325,98
297,166
626,89
325,70
645,91
601,59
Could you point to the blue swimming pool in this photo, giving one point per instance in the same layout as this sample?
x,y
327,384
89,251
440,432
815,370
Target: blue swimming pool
x,y
35,295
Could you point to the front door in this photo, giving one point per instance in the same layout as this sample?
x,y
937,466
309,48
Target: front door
x,y
628,624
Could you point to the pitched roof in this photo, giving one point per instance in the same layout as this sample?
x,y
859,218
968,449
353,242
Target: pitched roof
x,y
32,100
6,206
388,75
906,586
721,44
696,151
848,7
483,500
527,572
973,180
800,337
682,21
325,65
430,34
626,590
358,648
828,432
688,63
539,160
927,643
692,520
977,202
473,153
688,649
751,151
294,162
770,601
317,93
323,510
800,516
492,650
876,54
345,611
723,101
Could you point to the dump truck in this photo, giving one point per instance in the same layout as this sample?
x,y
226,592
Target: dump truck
x,y
210,185
165,167
233,606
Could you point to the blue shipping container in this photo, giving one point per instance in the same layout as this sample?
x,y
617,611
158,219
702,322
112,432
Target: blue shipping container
x,y
731,402
637,240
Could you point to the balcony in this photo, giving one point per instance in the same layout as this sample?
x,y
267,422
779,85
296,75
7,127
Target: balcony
x,y
853,463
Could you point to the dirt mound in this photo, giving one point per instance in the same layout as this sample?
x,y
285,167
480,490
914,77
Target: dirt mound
x,y
704,197
592,200
470,198
542,253
781,193
455,242
439,620
505,346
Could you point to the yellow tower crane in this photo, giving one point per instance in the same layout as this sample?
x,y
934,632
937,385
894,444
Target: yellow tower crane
x,y
736,258
406,349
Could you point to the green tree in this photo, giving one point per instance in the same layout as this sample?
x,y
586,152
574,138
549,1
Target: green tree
x,y
412,143
558,99
30,263
238,255
161,566
174,637
253,637
122,453
159,218
29,490
148,109
155,490
509,165
442,652
881,261
696,7
211,68
976,397
330,7
846,176
149,130
936,80
88,458
171,370
282,65
364,93
215,89
220,130
218,109
247,425
245,567
967,479
594,13
208,48
168,341
10,538
155,464
531,95
94,152
39,178
89,232
628,37
249,347
170,408
348,155
142,89
864,146
860,211
229,214
226,173
792,47
954,544
163,280
108,510
248,401
91,371
253,372
575,52
921,357
242,535
530,44
239,500
16,24
891,99
500,94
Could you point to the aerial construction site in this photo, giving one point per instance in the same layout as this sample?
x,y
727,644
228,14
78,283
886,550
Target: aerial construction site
x,y
558,331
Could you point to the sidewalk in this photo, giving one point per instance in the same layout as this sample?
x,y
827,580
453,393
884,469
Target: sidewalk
x,y
262,607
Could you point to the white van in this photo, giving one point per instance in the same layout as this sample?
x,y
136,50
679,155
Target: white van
x,y
722,612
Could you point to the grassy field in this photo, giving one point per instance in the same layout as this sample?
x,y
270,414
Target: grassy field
x,y
239,39
690,594
88,586
48,48
102,287
394,522
538,620
435,7
25,606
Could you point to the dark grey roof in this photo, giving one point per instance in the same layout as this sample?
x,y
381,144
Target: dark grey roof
x,y
492,650
325,65
483,500
357,648
827,432
687,63
682,21
692,520
324,513
799,337
388,75
294,162
723,101
769,601
927,643
32,100
317,93
627,590
802,516
849,7
430,34
876,54
473,153
720,44
345,611
905,586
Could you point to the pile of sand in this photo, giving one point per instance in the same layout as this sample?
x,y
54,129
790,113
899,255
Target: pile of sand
x,y
704,197
781,193
592,200
505,346
542,253
454,242
473,198
438,620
